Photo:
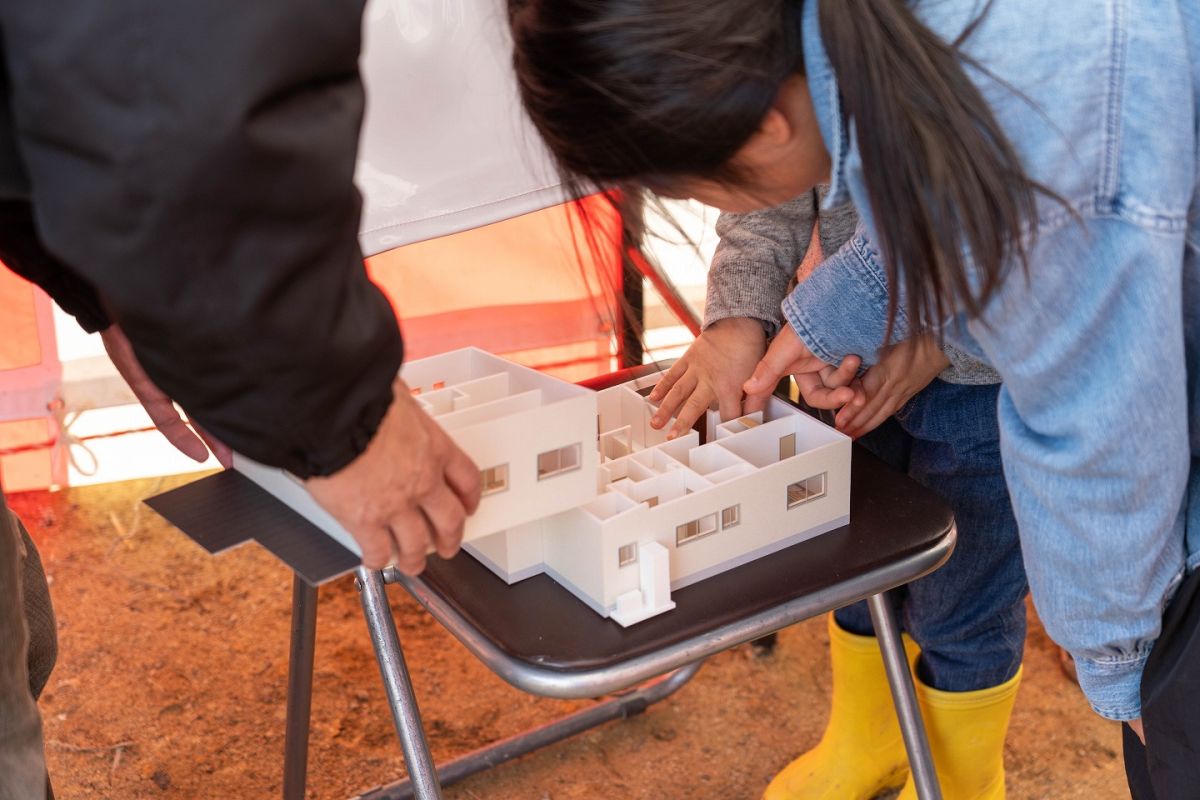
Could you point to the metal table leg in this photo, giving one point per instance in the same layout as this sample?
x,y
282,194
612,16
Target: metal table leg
x,y
299,690
407,717
896,664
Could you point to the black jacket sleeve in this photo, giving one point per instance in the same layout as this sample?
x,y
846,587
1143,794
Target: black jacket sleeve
x,y
22,251
193,160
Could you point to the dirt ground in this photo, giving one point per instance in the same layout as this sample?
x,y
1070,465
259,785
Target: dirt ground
x,y
172,676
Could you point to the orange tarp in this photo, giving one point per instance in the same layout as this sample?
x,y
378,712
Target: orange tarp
x,y
534,288
19,343
29,381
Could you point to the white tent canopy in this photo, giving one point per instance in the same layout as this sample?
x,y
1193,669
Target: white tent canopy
x,y
445,146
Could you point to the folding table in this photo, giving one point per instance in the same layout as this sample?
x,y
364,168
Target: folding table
x,y
541,639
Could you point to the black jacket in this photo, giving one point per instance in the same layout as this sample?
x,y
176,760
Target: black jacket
x,y
185,169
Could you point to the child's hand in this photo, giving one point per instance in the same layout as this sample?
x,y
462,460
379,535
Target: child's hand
x,y
713,368
904,370
822,385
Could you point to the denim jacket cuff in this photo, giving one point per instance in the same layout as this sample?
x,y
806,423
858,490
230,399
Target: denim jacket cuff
x,y
841,308
810,334
1112,688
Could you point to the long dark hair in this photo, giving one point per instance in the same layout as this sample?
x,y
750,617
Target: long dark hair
x,y
647,92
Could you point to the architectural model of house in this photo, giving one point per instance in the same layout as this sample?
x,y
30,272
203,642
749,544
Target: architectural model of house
x,y
576,484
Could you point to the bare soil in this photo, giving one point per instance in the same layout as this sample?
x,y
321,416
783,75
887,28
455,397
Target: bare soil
x,y
172,673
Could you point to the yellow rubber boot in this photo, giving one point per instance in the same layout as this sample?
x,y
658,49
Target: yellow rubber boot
x,y
861,752
966,736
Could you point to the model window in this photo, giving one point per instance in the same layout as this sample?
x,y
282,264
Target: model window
x,y
438,385
695,529
651,502
626,555
731,516
805,490
495,479
556,462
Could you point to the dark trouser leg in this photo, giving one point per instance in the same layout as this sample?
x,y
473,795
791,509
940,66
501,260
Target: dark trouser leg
x,y
43,628
1170,703
1136,771
39,616
22,761
969,615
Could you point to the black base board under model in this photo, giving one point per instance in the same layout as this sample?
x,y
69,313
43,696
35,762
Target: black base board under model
x,y
224,510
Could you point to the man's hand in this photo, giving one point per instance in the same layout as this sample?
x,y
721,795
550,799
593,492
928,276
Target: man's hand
x,y
713,368
905,369
193,442
412,488
821,385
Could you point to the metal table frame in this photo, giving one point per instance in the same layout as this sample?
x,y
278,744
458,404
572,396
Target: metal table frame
x,y
217,512
666,670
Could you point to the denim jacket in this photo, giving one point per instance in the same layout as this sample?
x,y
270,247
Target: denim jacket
x,y
1099,347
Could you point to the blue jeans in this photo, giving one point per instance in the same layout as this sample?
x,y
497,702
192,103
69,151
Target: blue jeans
x,y
968,616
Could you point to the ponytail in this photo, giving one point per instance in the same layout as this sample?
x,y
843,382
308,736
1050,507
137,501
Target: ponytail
x,y
946,187
645,93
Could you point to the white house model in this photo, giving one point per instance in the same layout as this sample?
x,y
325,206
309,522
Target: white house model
x,y
576,484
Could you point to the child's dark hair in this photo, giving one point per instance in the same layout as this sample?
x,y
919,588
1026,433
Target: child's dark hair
x,y
649,92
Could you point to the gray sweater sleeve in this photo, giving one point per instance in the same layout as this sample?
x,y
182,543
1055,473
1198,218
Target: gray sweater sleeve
x,y
755,265
755,261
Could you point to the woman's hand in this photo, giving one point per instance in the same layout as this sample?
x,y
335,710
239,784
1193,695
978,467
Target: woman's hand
x,y
821,385
905,369
713,368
